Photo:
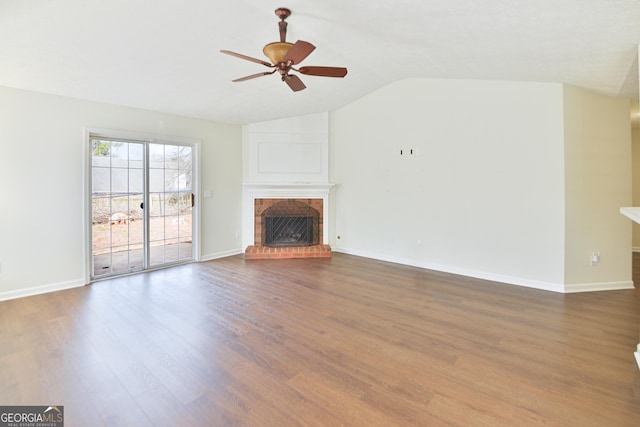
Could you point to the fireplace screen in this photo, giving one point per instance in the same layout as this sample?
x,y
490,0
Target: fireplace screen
x,y
290,223
289,231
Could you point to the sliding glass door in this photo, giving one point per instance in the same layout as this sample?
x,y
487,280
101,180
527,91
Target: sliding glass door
x,y
142,205
170,204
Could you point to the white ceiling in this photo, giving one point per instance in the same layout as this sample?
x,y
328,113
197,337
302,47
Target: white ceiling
x,y
163,55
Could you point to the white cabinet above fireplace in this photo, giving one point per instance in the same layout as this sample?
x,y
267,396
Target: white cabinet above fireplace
x,y
292,150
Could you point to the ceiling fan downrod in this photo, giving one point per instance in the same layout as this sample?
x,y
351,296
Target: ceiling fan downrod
x,y
283,13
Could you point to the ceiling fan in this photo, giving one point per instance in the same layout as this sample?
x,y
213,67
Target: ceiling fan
x,y
284,56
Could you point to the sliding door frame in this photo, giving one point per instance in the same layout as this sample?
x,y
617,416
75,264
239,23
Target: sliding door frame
x,y
87,196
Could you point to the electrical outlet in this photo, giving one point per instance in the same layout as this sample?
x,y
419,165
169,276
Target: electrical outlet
x,y
595,258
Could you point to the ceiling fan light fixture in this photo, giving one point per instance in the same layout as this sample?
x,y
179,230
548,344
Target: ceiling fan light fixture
x,y
284,56
277,51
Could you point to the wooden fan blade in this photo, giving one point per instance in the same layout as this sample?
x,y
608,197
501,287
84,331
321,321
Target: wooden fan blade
x,y
294,82
253,76
248,58
324,71
299,51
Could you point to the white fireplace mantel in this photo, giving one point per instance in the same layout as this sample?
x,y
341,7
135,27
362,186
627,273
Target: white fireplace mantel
x,y
287,188
294,190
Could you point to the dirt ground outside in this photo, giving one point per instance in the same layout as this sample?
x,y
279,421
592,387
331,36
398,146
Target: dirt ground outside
x,y
129,234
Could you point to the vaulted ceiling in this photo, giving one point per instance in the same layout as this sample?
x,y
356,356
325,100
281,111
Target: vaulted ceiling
x,y
164,55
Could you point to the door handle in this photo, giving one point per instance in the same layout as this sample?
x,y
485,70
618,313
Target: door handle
x,y
193,200
142,205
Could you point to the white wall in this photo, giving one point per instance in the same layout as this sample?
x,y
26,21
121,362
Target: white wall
x,y
598,183
484,196
42,184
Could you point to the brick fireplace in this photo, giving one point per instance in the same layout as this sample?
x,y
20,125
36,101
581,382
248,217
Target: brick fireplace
x,y
288,228
298,214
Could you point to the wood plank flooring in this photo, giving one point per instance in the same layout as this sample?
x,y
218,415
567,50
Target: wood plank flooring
x,y
344,341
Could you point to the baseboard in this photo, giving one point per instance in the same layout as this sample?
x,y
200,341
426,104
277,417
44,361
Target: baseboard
x,y
601,286
37,290
221,255
518,281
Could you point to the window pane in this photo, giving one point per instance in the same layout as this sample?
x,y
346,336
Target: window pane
x,y
136,256
156,229
185,180
185,228
101,237
136,181
136,225
120,259
135,212
171,249
100,180
101,153
156,180
172,206
119,180
172,156
136,153
171,226
156,156
185,247
156,255
185,158
156,204
171,180
120,209
119,154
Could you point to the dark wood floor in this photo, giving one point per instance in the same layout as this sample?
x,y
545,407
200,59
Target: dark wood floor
x,y
325,342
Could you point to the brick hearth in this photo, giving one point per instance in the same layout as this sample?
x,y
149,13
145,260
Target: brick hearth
x,y
265,252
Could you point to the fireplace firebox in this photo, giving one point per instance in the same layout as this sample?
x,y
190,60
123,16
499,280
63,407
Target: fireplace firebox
x,y
290,223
